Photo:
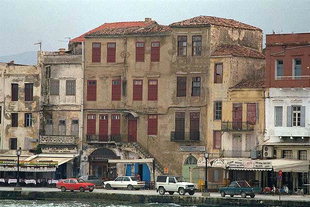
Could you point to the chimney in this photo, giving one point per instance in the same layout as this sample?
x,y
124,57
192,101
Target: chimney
x,y
147,19
61,51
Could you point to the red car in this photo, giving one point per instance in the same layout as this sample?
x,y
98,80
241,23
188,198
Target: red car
x,y
75,184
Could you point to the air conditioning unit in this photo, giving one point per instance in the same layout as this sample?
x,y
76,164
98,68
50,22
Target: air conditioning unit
x,y
268,151
255,154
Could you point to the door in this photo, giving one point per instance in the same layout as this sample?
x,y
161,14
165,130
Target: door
x,y
103,127
132,130
237,116
236,145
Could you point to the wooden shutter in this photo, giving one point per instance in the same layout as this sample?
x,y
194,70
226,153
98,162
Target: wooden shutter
x,y
179,125
303,116
91,124
155,51
111,51
116,90
194,125
75,127
54,87
251,113
91,90
278,115
152,125
152,90
70,87
96,52
103,127
14,117
137,90
289,116
14,90
28,91
181,86
217,139
115,124
139,51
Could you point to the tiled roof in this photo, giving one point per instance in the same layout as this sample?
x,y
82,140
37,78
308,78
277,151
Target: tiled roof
x,y
209,20
251,83
237,50
119,28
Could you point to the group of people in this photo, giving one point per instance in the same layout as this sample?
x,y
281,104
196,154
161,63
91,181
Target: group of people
x,y
283,190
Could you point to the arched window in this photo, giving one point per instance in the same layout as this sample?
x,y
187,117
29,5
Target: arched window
x,y
191,160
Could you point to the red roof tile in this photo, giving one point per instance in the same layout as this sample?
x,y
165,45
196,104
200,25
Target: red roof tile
x,y
237,50
250,83
201,21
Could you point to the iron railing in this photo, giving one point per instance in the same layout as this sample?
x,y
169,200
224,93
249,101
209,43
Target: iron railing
x,y
58,139
92,138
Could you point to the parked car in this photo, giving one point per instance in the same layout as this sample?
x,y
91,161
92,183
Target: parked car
x,y
173,184
75,184
92,179
129,182
241,187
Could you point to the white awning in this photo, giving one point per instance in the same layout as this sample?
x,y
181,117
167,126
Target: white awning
x,y
290,165
149,160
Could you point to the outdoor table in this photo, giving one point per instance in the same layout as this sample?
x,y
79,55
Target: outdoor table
x,y
30,181
11,181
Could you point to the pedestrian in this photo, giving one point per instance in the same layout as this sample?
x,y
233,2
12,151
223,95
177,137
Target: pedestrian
x,y
138,177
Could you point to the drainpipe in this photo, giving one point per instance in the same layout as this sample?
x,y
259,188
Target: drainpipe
x,y
2,112
82,110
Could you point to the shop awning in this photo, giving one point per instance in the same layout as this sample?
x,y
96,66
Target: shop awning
x,y
149,160
290,165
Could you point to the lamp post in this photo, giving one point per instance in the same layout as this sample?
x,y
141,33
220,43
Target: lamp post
x,y
206,174
18,153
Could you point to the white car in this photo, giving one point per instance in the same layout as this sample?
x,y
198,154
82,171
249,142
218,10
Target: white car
x,y
129,182
171,184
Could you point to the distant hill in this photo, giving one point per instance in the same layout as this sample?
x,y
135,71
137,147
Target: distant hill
x,y
26,58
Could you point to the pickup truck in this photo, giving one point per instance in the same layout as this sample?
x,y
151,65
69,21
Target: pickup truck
x,y
171,184
238,188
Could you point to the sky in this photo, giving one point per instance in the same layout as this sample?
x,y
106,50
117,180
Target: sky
x,y
53,22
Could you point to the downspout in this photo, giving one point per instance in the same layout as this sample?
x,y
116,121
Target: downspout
x,y
2,111
82,104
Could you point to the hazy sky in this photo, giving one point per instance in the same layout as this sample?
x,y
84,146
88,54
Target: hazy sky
x,y
25,22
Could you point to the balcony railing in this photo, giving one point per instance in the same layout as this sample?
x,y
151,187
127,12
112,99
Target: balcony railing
x,y
178,136
236,153
92,138
58,139
237,126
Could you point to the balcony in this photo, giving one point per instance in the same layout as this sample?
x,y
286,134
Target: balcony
x,y
184,136
58,140
236,153
237,126
92,138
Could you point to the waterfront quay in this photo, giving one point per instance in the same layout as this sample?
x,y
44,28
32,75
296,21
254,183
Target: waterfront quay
x,y
151,196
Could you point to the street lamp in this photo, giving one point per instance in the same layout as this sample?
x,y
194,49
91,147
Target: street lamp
x,y
206,175
18,153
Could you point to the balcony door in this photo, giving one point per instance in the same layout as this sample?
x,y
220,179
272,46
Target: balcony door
x,y
103,127
237,116
132,129
236,145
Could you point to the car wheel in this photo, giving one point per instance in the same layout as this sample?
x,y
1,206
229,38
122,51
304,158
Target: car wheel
x,y
171,192
181,191
223,194
243,195
63,189
82,189
191,192
161,191
72,190
91,190
252,195
130,187
231,195
108,186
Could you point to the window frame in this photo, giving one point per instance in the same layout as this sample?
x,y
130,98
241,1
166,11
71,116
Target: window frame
x,y
152,90
181,89
96,53
196,49
155,52
54,87
295,67
287,154
217,144
277,76
182,48
111,52
137,90
28,91
152,125
91,85
196,90
275,116
13,143
140,51
14,92
70,91
296,121
28,120
14,119
218,110
218,77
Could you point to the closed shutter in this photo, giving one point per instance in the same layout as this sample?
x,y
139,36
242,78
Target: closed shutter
x,y
14,117
278,110
181,86
289,116
116,90
179,125
54,87
194,125
251,113
152,90
217,139
62,127
96,52
75,127
70,87
28,91
303,116
91,124
103,127
137,90
115,124
14,91
91,90
111,51
140,52
152,125
155,51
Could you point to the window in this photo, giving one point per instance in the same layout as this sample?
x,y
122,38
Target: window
x,y
62,127
218,73
54,87
14,119
139,51
196,83
190,160
28,120
296,115
13,143
297,67
14,90
288,154
278,110
179,126
251,113
116,90
28,91
91,90
91,124
155,51
218,110
197,43
279,69
152,90
70,87
96,52
152,125
115,124
182,45
217,140
137,90
181,86
0,114
75,127
194,126
111,50
302,154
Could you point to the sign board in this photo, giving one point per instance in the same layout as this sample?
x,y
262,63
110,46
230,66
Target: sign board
x,y
166,170
192,148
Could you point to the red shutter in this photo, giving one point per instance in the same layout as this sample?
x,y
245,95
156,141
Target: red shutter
x,y
137,90
116,90
152,90
115,124
96,52
251,113
217,140
103,127
139,51
155,51
91,124
91,90
152,125
111,50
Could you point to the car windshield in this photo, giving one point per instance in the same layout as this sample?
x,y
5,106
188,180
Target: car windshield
x,y
243,183
180,179
134,178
